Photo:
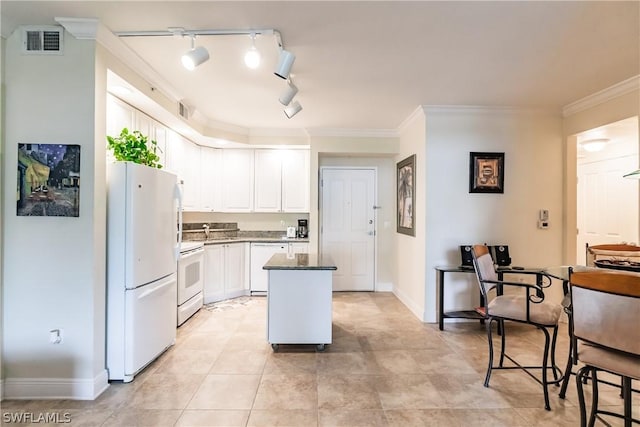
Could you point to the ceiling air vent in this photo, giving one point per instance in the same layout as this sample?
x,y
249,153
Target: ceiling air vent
x,y
42,40
183,110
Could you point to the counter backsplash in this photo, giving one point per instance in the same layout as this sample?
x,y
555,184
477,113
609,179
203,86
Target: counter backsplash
x,y
222,231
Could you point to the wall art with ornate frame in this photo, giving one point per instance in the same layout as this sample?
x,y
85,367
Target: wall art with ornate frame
x,y
486,172
406,201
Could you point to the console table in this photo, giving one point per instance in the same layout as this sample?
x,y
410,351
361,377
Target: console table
x,y
470,314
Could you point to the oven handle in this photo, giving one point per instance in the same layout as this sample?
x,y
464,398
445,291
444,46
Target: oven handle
x,y
187,255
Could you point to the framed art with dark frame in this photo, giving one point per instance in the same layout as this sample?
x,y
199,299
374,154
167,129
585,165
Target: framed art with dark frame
x,y
486,172
406,202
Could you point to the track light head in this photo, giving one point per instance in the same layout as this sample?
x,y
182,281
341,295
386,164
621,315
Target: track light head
x,y
288,94
195,56
252,57
285,62
292,109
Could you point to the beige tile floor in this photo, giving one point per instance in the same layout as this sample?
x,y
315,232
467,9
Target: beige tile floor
x,y
384,368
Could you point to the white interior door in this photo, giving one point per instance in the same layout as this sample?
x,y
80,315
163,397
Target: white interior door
x,y
348,226
607,203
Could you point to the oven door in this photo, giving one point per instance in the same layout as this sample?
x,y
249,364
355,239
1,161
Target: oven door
x,y
190,274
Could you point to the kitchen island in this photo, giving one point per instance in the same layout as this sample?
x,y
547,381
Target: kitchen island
x,y
299,298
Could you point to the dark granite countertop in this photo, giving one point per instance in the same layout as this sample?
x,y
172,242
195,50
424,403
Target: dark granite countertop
x,y
300,262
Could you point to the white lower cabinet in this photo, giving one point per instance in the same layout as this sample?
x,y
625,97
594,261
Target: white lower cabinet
x,y
225,271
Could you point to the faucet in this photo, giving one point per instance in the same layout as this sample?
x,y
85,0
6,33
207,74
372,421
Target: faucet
x,y
206,231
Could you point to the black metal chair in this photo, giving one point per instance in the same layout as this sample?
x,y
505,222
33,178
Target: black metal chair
x,y
528,306
606,332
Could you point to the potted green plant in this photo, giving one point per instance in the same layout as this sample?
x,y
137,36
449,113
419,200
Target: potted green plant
x,y
134,147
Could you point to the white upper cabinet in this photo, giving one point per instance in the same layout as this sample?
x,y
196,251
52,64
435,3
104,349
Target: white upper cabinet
x,y
119,115
282,181
191,174
268,181
295,180
174,150
210,186
160,136
237,173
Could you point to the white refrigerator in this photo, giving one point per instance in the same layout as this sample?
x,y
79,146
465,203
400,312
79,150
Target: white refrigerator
x,y
142,251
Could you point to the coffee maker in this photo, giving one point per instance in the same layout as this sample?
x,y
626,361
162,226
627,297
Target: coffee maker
x,y
303,230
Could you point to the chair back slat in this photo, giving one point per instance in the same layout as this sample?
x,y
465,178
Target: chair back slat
x,y
606,309
485,270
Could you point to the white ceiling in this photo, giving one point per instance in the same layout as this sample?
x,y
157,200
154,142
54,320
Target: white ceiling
x,y
368,65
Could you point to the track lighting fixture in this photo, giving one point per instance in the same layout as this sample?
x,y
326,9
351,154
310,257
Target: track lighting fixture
x,y
198,55
285,62
292,109
252,57
288,93
195,56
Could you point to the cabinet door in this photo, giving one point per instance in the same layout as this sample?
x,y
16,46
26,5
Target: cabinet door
x,y
214,273
237,173
191,173
268,181
175,153
144,124
210,197
160,136
119,115
234,269
295,180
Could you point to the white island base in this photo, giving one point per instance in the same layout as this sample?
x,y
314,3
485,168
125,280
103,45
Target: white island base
x,y
299,299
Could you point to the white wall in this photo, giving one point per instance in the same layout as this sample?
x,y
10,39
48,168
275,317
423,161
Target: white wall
x,y
410,251
532,143
54,271
595,114
385,215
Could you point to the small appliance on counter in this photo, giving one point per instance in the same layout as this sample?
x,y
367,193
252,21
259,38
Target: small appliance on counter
x,y
303,230
291,232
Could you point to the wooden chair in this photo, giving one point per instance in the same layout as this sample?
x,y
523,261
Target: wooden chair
x,y
606,331
527,306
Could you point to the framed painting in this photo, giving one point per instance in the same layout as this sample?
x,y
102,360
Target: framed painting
x,y
48,180
486,172
406,187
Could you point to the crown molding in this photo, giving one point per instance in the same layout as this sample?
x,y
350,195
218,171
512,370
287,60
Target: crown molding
x,y
80,28
487,109
419,112
612,92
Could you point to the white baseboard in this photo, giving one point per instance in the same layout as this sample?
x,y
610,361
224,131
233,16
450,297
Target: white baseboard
x,y
384,287
55,388
411,305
